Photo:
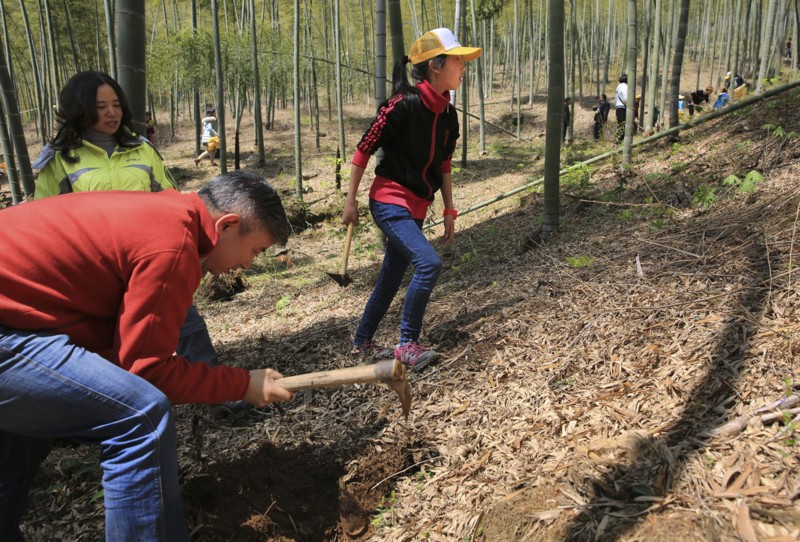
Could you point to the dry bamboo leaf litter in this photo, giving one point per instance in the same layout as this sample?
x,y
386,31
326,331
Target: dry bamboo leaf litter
x,y
588,393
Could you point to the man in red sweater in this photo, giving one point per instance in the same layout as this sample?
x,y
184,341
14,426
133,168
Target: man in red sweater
x,y
89,320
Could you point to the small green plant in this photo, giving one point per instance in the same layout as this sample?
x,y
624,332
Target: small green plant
x,y
282,303
674,149
778,131
384,516
580,261
612,195
564,383
657,225
790,429
651,178
788,388
627,214
578,176
746,185
678,167
744,144
705,196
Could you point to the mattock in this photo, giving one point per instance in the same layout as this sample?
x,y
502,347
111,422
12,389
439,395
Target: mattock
x,y
389,372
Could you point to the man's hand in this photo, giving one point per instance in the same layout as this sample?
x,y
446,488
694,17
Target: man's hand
x,y
263,388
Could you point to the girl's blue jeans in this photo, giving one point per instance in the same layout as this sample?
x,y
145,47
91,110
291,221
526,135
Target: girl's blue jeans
x,y
406,244
50,388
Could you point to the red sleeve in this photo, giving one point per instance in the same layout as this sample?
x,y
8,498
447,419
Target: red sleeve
x,y
361,158
160,290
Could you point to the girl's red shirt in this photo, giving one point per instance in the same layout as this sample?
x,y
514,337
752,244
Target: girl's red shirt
x,y
418,137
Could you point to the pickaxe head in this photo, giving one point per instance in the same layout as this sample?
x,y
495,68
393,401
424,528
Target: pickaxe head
x,y
341,279
393,374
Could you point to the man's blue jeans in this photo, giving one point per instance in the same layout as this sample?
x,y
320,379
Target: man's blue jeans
x,y
406,244
194,343
50,388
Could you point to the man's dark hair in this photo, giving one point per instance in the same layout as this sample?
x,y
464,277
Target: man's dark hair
x,y
77,110
248,195
623,78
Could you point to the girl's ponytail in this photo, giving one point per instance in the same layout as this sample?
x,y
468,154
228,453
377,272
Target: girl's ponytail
x,y
400,83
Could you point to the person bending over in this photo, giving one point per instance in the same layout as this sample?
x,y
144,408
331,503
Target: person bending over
x,y
89,320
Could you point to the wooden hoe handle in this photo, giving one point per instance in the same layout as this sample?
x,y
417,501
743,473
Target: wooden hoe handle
x,y
383,371
346,252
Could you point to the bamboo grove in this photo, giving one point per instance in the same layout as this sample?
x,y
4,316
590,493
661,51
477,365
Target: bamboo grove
x,y
315,56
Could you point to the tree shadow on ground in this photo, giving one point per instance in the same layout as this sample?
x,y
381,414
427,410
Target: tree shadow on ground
x,y
657,462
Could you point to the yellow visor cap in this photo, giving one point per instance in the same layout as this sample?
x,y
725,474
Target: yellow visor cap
x,y
440,41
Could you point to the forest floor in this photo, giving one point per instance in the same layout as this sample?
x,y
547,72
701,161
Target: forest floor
x,y
582,381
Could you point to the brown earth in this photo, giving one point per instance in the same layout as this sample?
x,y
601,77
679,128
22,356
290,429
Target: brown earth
x,y
581,379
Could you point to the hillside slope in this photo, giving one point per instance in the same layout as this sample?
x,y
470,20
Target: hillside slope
x,y
582,380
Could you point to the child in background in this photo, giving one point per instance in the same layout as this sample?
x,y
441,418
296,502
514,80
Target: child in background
x,y
417,128
150,126
722,98
209,134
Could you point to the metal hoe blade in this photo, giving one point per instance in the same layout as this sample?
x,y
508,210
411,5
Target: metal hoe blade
x,y
341,280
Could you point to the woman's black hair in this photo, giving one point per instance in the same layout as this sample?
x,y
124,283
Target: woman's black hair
x,y
419,72
77,110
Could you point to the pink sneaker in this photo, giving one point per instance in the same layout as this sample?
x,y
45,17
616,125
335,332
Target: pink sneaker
x,y
415,356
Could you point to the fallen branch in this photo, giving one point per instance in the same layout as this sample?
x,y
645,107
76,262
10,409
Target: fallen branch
x,y
783,406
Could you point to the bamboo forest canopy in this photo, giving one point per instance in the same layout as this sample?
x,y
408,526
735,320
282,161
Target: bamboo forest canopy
x,y
50,40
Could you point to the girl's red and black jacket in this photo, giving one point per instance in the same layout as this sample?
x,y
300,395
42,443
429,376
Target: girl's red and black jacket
x,y
418,136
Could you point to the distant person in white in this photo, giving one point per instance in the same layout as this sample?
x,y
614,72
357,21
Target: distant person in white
x,y
622,104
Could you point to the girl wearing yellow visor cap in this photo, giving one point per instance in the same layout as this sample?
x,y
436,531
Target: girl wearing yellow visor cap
x,y
417,128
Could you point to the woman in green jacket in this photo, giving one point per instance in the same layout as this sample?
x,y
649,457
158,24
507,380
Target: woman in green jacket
x,y
95,148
